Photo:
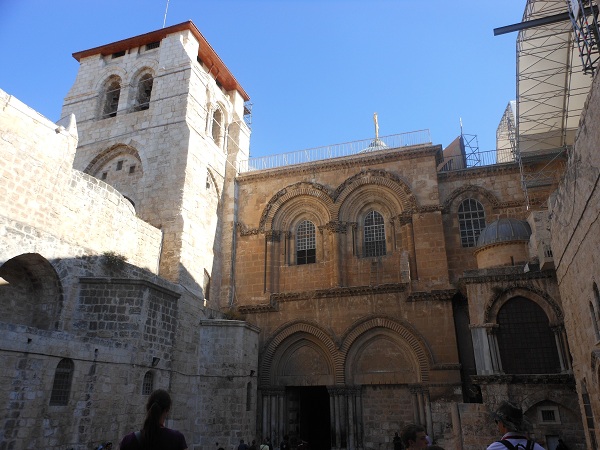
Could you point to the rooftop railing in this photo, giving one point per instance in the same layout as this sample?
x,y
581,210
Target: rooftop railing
x,y
420,137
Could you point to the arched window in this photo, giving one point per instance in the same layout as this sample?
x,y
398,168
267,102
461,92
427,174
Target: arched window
x,y
525,340
305,243
111,98
61,388
374,235
471,220
217,127
148,383
144,92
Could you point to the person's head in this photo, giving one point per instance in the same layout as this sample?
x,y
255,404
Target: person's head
x,y
108,445
157,408
413,436
241,441
509,417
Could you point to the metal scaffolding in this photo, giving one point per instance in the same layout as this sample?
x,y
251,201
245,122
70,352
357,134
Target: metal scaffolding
x,y
552,81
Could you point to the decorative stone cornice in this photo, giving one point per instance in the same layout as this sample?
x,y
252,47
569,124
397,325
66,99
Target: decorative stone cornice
x,y
245,231
553,378
273,235
403,219
348,162
438,295
504,277
445,367
337,226
352,291
478,172
428,209
257,309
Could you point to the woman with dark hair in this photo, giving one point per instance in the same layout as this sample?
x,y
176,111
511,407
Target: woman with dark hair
x,y
154,435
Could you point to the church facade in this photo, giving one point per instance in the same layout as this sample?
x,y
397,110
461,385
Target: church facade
x,y
332,301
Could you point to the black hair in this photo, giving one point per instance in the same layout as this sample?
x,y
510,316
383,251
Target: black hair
x,y
158,403
409,433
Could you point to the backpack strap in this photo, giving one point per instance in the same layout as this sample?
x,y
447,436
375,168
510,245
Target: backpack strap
x,y
507,444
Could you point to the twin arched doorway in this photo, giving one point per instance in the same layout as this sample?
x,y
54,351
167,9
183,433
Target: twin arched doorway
x,y
327,393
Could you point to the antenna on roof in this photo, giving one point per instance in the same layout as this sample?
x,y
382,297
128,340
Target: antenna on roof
x,y
166,10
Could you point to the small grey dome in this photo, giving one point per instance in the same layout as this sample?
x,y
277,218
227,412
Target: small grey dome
x,y
504,230
376,144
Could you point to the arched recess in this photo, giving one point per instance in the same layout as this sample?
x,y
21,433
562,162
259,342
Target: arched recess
x,y
30,292
533,399
121,167
550,307
389,338
324,202
485,197
302,353
140,89
110,95
396,191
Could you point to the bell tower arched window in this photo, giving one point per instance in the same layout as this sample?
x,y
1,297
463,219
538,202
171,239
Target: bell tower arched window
x,y
374,233
305,243
217,127
144,92
112,94
525,340
471,220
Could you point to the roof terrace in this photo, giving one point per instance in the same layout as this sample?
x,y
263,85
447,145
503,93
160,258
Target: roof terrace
x,y
395,141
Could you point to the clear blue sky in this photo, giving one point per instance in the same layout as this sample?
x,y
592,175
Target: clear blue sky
x,y
316,70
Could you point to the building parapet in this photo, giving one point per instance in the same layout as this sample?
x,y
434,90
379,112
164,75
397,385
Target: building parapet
x,y
410,139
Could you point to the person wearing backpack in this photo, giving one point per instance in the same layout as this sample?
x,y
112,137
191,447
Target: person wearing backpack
x,y
512,426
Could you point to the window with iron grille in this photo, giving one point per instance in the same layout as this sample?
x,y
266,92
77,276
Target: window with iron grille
x,y
61,388
148,383
374,235
471,220
306,243
525,340
548,415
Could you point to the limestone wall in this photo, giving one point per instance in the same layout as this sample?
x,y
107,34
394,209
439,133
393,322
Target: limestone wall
x,y
44,196
575,243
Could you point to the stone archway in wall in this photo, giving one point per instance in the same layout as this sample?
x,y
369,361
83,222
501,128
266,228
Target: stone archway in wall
x,y
388,363
30,292
298,368
341,395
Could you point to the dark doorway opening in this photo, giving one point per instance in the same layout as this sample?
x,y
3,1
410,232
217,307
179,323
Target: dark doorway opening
x,y
309,417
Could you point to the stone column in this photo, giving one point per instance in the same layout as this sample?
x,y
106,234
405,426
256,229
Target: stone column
x,y
407,234
415,404
337,229
272,241
273,414
494,350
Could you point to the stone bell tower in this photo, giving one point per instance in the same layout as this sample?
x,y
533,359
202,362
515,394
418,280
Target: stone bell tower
x,y
161,119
